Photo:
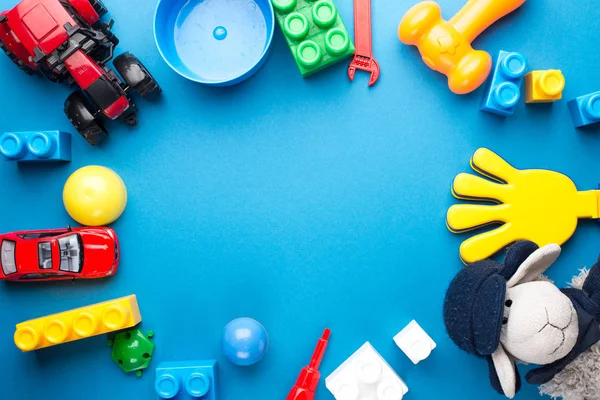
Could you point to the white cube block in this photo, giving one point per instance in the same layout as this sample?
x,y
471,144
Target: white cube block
x,y
365,375
415,342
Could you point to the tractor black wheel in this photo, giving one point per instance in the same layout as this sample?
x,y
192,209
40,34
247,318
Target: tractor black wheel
x,y
24,67
99,7
136,76
83,117
94,133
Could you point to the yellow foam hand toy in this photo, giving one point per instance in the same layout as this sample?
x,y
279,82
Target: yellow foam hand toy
x,y
532,204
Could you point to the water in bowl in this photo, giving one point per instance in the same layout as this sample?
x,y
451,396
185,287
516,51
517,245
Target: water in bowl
x,y
220,39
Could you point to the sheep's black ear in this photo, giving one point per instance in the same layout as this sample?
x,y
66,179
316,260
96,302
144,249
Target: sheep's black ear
x,y
544,374
592,283
515,255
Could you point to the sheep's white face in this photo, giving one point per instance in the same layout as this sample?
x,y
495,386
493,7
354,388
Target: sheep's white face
x,y
541,323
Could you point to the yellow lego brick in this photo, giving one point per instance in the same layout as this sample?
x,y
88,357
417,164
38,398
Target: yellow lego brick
x,y
544,86
83,322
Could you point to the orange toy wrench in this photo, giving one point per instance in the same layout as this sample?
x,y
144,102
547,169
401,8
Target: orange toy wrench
x,y
446,45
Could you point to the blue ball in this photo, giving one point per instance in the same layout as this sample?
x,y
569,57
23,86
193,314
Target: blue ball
x,y
245,341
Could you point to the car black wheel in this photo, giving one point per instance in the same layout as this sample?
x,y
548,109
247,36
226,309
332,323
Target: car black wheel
x,y
100,9
24,67
136,76
83,117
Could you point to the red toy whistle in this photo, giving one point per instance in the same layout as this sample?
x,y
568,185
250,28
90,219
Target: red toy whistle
x,y
308,380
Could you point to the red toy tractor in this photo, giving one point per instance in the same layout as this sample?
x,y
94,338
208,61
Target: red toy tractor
x,y
65,40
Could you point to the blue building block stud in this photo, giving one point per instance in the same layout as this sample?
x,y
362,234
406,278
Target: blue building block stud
x,y
585,110
504,91
33,147
187,380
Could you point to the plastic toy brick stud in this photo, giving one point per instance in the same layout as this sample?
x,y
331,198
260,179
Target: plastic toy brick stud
x,y
314,33
363,59
585,110
366,375
533,204
415,342
35,147
505,87
80,323
309,377
132,350
446,46
544,86
187,380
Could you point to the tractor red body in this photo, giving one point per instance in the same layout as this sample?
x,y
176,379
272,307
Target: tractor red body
x,y
37,28
66,40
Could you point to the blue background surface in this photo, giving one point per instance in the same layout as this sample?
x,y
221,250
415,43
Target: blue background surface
x,y
302,203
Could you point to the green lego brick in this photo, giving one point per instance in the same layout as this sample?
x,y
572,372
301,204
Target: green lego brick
x,y
314,32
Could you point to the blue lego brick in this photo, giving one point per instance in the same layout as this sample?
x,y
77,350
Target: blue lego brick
x,y
585,110
187,380
34,147
504,90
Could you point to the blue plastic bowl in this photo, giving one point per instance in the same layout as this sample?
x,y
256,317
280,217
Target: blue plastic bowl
x,y
215,42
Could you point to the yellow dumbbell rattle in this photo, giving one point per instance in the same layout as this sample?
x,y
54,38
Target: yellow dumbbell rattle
x,y
532,204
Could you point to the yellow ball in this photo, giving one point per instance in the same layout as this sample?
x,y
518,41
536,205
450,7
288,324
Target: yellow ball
x,y
95,196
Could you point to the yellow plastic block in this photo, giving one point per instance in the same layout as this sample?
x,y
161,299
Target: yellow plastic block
x,y
80,323
544,86
531,204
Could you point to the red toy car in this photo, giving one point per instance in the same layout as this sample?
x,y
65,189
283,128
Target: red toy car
x,y
66,40
57,254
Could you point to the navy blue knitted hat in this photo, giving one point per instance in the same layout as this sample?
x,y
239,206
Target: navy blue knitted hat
x,y
474,304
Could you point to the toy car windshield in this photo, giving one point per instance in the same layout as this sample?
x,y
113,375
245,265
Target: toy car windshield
x,y
71,253
8,257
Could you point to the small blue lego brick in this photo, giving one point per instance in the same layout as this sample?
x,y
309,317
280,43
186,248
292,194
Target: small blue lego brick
x,y
187,380
34,147
585,110
504,91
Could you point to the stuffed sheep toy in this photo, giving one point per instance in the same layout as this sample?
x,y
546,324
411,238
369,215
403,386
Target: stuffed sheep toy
x,y
505,314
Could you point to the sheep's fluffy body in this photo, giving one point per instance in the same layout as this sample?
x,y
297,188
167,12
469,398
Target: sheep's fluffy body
x,y
580,380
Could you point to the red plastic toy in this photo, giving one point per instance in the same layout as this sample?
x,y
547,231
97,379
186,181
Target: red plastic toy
x,y
363,58
308,380
57,254
66,40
